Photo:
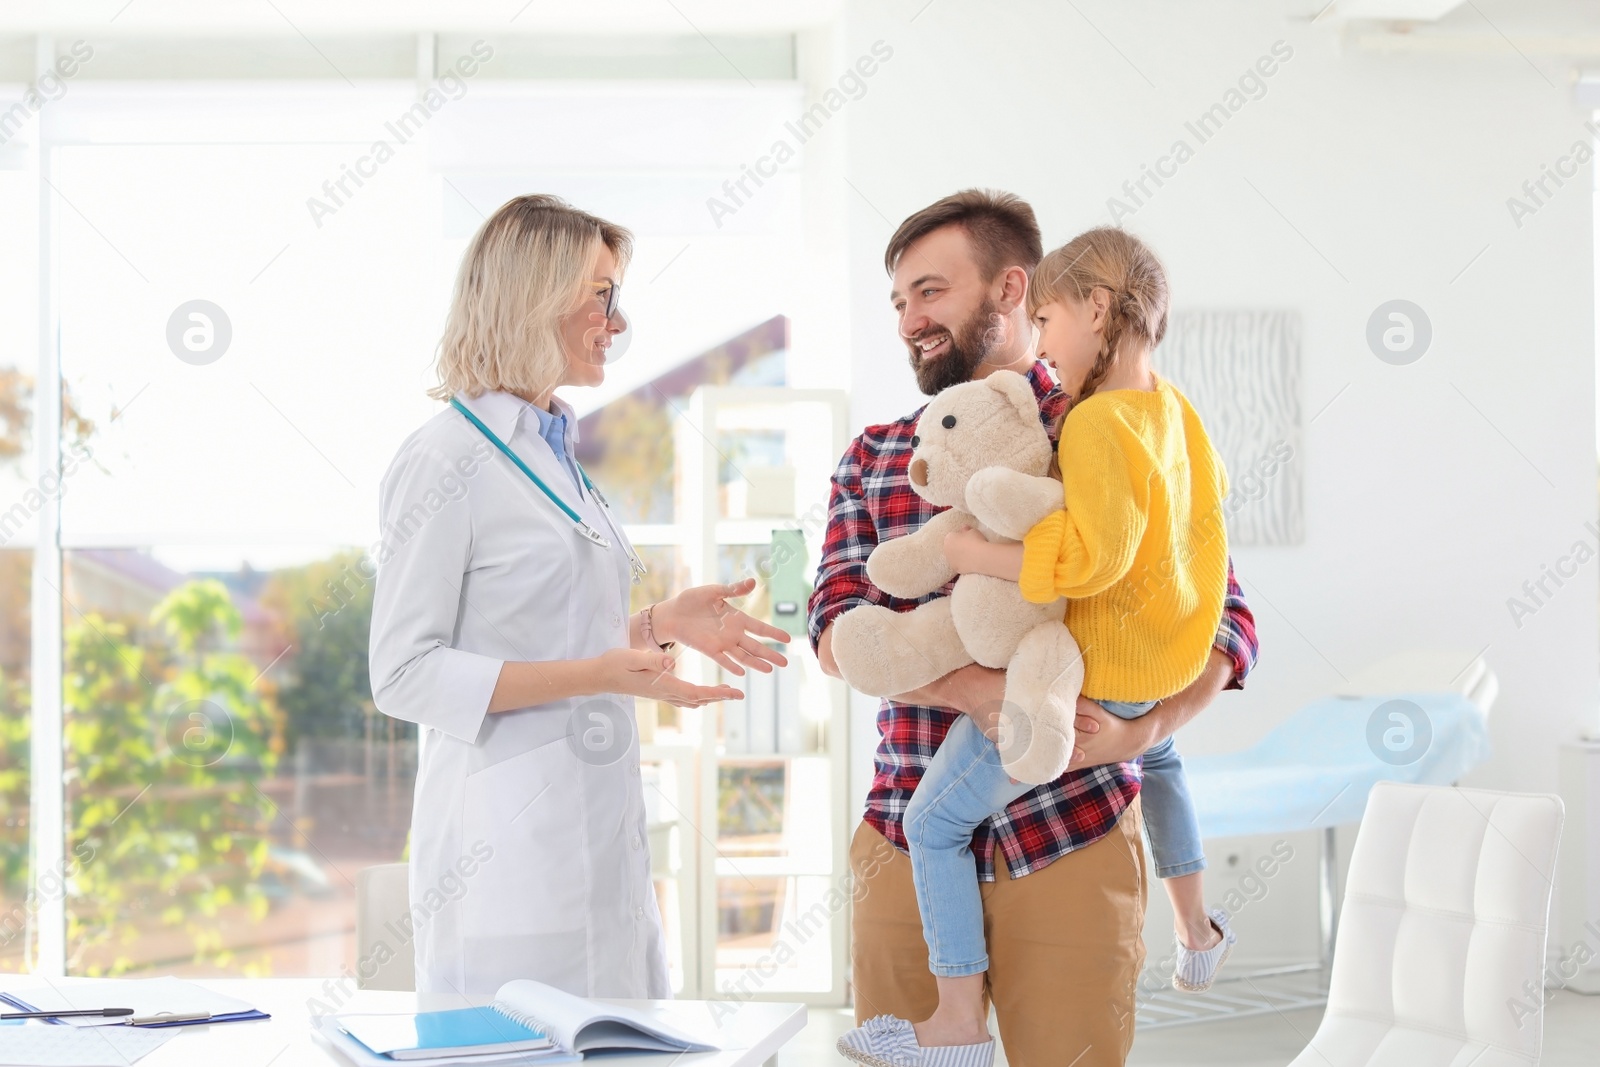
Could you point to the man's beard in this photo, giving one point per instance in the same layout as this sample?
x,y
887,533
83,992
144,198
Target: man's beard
x,y
969,347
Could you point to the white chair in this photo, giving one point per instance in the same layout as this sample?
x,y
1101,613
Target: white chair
x,y
1441,953
383,903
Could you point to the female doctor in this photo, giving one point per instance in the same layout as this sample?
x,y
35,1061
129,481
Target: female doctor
x,y
501,627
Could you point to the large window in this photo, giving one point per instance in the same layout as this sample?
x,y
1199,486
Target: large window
x,y
243,336
238,374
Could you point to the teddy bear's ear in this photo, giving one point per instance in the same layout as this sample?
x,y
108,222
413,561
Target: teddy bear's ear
x,y
1015,388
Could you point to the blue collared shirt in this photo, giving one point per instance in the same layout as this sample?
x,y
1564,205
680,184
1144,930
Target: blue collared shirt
x,y
553,428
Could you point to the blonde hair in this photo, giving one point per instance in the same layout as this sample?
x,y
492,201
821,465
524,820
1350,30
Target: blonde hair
x,y
526,268
1118,262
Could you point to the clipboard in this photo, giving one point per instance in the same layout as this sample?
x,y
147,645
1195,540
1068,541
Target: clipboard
x,y
148,996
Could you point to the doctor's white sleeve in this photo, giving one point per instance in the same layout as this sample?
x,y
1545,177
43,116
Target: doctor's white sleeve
x,y
426,544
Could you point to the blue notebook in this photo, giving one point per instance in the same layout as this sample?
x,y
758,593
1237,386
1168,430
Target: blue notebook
x,y
463,1031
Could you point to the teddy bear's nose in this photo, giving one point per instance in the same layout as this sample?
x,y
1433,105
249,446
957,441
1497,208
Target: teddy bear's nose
x,y
919,472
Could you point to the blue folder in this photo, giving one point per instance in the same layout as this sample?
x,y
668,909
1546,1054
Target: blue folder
x,y
464,1030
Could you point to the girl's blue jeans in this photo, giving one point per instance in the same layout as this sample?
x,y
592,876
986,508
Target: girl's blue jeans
x,y
965,784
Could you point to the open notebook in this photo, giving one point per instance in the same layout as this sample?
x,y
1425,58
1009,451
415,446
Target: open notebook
x,y
526,1017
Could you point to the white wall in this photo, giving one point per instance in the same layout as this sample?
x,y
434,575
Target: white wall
x,y
1433,491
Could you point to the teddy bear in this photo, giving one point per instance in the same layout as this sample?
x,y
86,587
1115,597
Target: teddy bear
x,y
979,451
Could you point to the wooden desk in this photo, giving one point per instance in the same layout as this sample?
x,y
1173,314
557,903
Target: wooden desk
x,y
749,1033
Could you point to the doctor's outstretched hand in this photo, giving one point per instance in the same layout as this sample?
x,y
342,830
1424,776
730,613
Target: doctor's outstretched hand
x,y
702,619
649,674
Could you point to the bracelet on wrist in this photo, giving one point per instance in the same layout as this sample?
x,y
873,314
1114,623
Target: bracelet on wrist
x,y
650,631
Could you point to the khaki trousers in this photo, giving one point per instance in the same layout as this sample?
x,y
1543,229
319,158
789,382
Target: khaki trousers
x,y
1065,947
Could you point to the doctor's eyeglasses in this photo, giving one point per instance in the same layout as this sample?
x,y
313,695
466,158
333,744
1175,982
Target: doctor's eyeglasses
x,y
609,296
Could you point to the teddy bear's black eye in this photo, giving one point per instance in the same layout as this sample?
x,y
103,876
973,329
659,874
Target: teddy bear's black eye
x,y
948,422
915,440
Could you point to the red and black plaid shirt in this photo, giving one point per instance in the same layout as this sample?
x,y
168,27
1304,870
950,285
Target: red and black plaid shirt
x,y
872,501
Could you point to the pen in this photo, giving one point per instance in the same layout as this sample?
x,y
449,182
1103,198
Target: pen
x,y
96,1012
169,1017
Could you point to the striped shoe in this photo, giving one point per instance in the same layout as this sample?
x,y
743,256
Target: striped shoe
x,y
887,1041
1196,969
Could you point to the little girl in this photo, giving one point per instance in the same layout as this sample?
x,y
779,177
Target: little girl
x,y
1141,552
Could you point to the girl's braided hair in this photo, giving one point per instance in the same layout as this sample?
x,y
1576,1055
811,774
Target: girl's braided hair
x,y
1118,262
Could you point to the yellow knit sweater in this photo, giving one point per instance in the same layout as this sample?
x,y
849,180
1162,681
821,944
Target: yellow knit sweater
x,y
1140,549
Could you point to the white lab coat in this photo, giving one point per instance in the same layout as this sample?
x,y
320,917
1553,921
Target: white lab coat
x,y
479,567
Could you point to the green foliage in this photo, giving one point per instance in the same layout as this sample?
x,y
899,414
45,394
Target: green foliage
x,y
196,614
164,743
16,735
328,605
16,416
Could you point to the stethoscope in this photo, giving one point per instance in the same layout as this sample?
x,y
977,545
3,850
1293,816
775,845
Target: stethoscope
x,y
594,536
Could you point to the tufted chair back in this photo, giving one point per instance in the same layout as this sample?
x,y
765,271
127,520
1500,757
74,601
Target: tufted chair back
x,y
1441,953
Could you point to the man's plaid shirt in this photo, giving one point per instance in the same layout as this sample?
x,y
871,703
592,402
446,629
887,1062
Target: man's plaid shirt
x,y
872,501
